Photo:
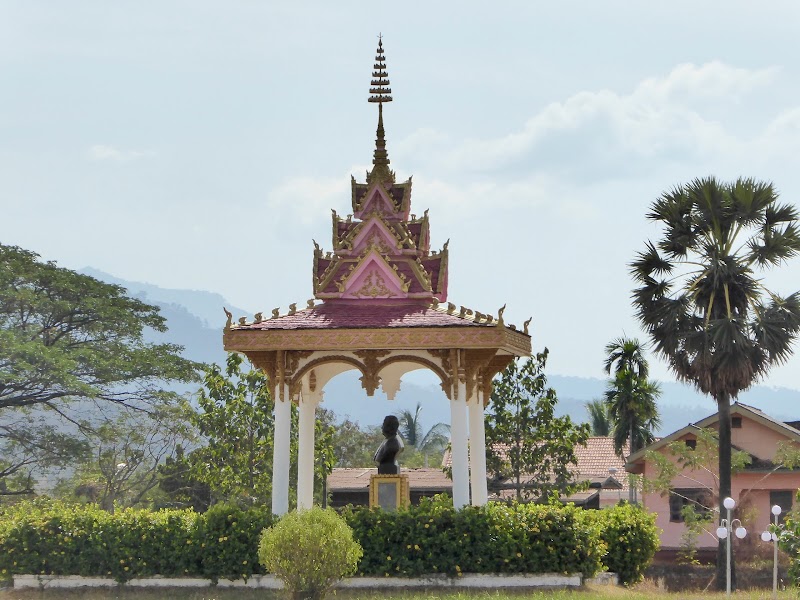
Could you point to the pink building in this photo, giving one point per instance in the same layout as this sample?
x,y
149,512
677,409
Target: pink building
x,y
760,485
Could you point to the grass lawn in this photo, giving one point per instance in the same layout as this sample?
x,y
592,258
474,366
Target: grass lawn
x,y
642,592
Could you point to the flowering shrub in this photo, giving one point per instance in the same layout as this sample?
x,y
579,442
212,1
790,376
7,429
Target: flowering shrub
x,y
49,537
226,540
497,538
631,537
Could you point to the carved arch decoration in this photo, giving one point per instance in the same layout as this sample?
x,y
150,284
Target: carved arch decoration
x,y
297,379
370,369
446,380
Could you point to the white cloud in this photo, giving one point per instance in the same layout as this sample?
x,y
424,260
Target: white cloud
x,y
306,198
683,116
102,152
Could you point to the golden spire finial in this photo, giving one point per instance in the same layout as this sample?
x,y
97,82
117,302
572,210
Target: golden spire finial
x,y
381,92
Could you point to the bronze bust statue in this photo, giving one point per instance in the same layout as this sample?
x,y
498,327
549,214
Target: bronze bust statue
x,y
386,454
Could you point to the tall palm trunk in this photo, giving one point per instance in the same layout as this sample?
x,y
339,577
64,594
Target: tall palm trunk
x,y
724,403
631,487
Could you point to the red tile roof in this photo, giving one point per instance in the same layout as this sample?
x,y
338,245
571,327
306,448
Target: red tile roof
x,y
594,460
344,315
342,479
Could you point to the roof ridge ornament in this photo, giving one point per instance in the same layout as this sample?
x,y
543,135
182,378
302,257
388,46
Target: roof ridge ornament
x,y
380,93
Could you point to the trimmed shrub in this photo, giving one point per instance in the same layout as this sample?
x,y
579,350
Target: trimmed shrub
x,y
226,539
49,537
310,550
631,536
497,538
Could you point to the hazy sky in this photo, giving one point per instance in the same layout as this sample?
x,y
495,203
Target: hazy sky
x,y
202,144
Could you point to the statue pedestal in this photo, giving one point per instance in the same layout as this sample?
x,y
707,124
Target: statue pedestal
x,y
389,492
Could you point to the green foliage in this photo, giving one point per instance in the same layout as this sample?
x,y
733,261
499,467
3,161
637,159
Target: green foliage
x,y
235,416
354,446
181,489
122,467
630,396
66,337
789,541
599,423
497,538
226,537
434,441
631,538
525,442
50,537
695,521
310,550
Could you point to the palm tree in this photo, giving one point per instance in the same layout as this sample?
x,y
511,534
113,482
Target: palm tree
x,y
599,422
702,300
630,397
632,410
435,439
626,355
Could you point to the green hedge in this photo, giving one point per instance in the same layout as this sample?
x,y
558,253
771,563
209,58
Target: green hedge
x,y
49,537
497,538
631,538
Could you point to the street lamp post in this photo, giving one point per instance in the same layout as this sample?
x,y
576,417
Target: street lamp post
x,y
724,533
772,536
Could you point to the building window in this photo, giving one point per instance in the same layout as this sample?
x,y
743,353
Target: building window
x,y
691,444
736,422
782,498
699,498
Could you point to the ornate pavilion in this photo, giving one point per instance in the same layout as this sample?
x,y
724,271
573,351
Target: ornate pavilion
x,y
380,307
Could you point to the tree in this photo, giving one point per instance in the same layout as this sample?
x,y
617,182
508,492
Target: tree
x,y
181,488
433,441
67,339
632,409
525,441
599,422
126,452
235,418
701,297
353,446
630,397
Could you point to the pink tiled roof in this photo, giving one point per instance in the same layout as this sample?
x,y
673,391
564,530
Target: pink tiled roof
x,y
594,460
346,315
358,479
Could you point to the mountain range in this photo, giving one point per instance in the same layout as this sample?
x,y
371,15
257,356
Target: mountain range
x,y
195,319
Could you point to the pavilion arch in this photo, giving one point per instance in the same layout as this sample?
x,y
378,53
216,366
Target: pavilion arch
x,y
391,384
310,369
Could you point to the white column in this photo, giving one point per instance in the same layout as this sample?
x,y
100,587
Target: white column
x,y
305,452
477,450
280,456
458,443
